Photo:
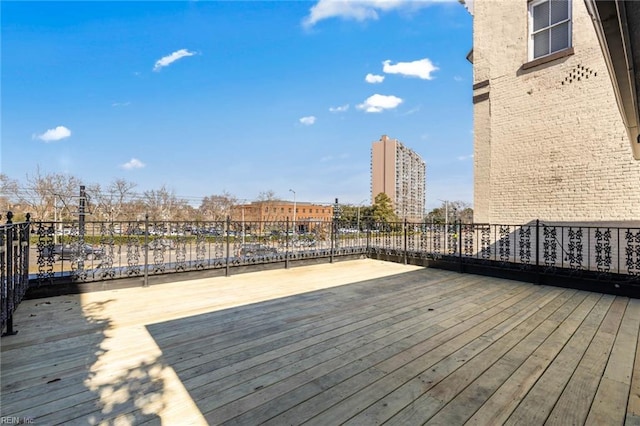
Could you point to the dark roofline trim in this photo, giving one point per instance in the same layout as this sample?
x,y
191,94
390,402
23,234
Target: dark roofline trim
x,y
481,97
481,84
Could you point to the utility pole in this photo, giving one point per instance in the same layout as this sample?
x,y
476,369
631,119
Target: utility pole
x,y
294,212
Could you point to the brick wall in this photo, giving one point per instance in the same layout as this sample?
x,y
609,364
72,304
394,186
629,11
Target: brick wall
x,y
549,140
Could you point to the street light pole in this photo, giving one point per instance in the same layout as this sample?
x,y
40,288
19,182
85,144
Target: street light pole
x,y
295,231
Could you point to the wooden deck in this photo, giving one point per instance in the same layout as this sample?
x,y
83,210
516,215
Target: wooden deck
x,y
360,342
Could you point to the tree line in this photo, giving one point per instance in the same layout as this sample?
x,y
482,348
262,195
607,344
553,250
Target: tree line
x,y
56,196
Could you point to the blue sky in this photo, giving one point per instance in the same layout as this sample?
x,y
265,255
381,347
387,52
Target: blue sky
x,y
244,97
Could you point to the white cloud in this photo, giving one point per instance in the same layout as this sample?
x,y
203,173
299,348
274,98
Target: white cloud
x,y
378,103
308,121
360,10
169,59
53,135
421,68
457,78
341,108
373,78
465,157
120,104
134,163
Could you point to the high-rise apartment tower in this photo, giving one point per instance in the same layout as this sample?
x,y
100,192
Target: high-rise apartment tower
x,y
400,173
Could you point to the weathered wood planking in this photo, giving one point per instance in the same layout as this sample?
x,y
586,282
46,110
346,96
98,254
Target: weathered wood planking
x,y
362,343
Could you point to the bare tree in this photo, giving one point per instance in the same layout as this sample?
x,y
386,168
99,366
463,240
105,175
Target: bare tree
x,y
217,207
96,202
122,190
162,204
51,193
187,212
109,204
267,200
8,193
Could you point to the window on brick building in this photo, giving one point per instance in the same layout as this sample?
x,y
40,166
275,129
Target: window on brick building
x,y
549,27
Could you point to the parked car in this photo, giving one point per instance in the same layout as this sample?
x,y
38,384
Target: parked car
x,y
304,242
162,244
257,250
73,251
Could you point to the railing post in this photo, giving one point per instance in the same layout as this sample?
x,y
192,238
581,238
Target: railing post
x,y
369,241
81,227
24,239
10,284
460,265
286,245
145,282
405,241
334,228
226,271
538,251
333,236
537,242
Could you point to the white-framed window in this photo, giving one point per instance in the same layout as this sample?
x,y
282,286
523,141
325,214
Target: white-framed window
x,y
549,27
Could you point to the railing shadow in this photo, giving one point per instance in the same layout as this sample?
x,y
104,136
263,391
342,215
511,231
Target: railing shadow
x,y
76,374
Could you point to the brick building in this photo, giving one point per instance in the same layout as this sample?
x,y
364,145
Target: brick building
x,y
307,214
549,139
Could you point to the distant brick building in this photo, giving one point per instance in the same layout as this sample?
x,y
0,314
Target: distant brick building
x,y
549,139
307,214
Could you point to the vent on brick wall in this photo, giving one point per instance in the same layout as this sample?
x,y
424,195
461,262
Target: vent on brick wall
x,y
579,73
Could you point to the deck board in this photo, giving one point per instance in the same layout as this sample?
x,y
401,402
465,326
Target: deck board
x,y
542,397
360,342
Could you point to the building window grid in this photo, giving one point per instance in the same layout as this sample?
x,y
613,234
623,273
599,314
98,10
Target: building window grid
x,y
549,27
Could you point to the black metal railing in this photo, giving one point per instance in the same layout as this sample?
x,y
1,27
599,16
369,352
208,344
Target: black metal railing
x,y
34,254
105,250
108,250
599,252
14,269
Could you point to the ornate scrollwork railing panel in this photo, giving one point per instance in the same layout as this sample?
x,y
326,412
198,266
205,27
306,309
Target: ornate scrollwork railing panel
x,y
549,246
504,243
632,252
575,248
603,250
485,242
524,246
45,244
468,240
